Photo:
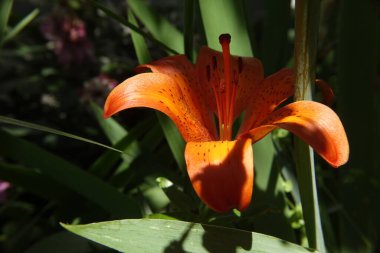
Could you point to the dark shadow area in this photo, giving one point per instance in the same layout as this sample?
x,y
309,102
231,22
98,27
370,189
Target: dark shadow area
x,y
226,240
176,246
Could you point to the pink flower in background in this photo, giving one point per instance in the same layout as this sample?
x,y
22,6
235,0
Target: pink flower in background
x,y
3,190
68,37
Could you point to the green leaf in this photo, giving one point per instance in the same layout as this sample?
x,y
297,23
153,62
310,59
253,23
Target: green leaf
x,y
226,16
113,130
307,20
179,236
20,26
62,242
123,21
157,25
21,123
33,181
175,140
69,175
5,11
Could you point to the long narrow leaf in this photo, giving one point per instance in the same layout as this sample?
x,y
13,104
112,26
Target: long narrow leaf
x,y
69,175
131,26
307,18
21,123
157,25
179,236
5,11
20,26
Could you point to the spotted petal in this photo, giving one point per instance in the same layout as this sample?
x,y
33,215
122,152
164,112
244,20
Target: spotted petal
x,y
274,90
182,71
221,173
160,92
313,122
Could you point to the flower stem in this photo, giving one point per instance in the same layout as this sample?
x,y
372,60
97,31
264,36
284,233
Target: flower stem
x,y
306,26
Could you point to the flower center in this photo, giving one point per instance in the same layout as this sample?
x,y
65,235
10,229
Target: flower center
x,y
225,88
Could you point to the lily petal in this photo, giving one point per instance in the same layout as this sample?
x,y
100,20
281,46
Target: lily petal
x,y
274,90
182,71
221,172
160,92
313,122
248,72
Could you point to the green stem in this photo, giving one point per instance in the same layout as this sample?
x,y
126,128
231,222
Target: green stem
x,y
306,26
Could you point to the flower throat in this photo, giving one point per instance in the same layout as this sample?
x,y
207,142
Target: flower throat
x,y
225,87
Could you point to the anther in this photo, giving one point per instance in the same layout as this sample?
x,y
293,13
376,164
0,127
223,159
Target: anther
x,y
225,38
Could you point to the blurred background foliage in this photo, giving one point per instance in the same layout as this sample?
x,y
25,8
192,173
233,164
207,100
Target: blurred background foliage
x,y
59,60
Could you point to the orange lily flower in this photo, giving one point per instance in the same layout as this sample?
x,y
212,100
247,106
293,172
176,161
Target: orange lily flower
x,y
220,165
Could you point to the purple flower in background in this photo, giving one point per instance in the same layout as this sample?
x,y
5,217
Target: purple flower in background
x,y
97,89
68,39
3,190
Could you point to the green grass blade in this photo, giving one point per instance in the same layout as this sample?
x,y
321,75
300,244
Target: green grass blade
x,y
20,26
307,20
21,123
179,236
172,135
158,26
69,175
125,22
141,49
226,16
5,11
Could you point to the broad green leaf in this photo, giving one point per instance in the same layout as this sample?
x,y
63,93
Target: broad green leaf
x,y
62,242
179,236
69,175
20,26
21,123
158,25
306,26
